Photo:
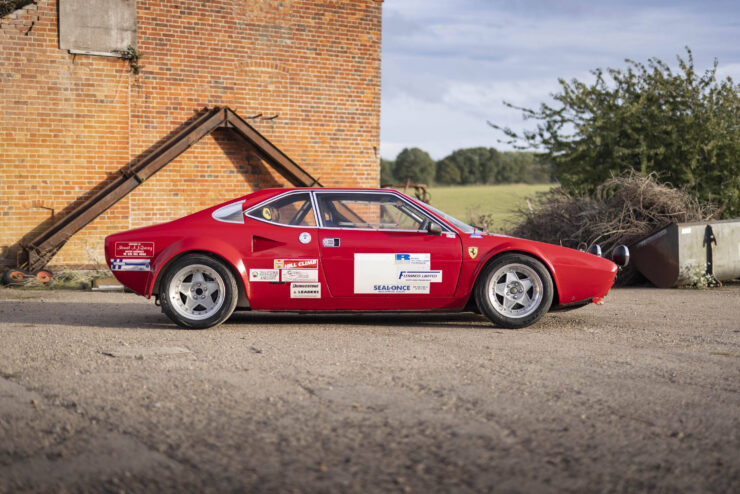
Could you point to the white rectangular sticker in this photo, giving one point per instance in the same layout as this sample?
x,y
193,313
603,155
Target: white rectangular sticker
x,y
305,290
684,231
264,275
296,264
134,249
387,273
129,264
300,275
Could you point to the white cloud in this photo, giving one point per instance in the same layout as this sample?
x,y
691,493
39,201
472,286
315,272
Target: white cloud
x,y
447,66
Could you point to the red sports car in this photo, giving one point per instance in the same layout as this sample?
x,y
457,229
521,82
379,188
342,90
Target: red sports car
x,y
323,249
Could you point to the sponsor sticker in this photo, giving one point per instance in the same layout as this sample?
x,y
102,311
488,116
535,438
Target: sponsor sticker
x,y
400,288
134,249
430,276
130,265
305,290
449,235
300,274
394,273
264,275
296,264
476,235
421,259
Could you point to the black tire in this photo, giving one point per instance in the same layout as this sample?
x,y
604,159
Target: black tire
x,y
535,299
15,277
213,307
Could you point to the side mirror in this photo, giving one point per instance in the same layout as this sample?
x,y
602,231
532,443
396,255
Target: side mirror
x,y
621,255
434,229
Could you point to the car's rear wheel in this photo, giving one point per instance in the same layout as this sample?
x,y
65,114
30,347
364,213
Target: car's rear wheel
x,y
198,292
514,291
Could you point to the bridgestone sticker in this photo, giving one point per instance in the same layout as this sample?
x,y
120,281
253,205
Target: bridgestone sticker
x,y
296,264
300,275
305,290
134,249
264,275
130,265
394,273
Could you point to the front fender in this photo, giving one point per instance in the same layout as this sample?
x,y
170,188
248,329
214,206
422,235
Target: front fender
x,y
516,247
209,245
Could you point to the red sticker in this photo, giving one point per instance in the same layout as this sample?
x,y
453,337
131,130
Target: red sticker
x,y
296,264
134,249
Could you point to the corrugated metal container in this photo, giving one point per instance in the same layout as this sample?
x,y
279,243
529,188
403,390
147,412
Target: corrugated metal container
x,y
681,252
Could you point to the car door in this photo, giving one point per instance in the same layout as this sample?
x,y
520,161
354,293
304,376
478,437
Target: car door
x,y
375,249
283,262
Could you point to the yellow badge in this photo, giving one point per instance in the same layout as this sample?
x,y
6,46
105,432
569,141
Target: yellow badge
x,y
472,252
266,214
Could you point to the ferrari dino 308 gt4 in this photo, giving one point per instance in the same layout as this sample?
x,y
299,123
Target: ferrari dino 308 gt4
x,y
317,249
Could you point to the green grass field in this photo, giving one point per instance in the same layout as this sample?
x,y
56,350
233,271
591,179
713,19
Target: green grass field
x,y
469,203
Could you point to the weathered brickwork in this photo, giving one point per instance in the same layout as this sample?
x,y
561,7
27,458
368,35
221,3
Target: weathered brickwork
x,y
68,124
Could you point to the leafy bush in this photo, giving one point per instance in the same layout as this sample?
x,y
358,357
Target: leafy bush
x,y
683,124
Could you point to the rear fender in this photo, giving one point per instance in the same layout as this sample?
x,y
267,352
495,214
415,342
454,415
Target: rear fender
x,y
209,246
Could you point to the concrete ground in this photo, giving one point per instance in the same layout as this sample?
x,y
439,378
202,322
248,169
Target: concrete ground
x,y
100,392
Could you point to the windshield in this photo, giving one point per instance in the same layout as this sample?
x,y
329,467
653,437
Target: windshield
x,y
457,223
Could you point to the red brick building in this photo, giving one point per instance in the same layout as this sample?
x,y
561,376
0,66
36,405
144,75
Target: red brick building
x,y
69,123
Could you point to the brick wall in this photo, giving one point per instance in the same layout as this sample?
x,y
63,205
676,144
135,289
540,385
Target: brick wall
x,y
68,124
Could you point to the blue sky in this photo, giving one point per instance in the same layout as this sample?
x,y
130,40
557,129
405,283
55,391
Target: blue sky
x,y
448,65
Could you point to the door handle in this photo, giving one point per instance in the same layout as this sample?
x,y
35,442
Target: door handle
x,y
331,242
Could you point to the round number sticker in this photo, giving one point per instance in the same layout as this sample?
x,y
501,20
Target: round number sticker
x,y
304,237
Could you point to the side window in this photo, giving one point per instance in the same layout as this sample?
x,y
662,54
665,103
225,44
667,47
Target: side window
x,y
293,210
374,211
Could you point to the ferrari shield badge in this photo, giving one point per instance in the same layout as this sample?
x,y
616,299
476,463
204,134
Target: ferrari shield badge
x,y
472,252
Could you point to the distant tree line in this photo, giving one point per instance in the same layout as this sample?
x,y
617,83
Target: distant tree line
x,y
466,167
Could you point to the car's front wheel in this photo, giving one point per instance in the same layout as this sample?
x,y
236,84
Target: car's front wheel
x,y
198,292
514,291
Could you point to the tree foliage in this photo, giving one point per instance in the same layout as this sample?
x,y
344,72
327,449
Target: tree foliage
x,y
386,172
415,165
681,124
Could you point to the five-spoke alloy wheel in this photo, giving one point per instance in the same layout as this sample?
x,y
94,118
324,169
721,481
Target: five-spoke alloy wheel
x,y
514,291
198,292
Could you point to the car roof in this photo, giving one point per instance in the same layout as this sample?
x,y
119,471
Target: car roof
x,y
262,194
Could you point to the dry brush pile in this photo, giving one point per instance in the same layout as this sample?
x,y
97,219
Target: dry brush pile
x,y
622,210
